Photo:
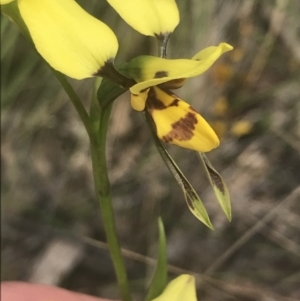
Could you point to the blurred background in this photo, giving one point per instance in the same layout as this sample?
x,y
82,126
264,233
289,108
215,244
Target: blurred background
x,y
51,226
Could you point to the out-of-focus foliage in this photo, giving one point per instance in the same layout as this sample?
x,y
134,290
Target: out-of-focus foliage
x,y
251,98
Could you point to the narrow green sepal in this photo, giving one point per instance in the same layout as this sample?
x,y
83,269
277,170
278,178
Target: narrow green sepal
x,y
192,199
159,279
218,185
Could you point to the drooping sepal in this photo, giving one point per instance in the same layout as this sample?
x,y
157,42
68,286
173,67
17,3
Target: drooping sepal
x,y
192,199
218,185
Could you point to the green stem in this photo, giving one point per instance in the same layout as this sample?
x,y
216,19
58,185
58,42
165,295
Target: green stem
x,y
76,102
101,179
102,186
98,145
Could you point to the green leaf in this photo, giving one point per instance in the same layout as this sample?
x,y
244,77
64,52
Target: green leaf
x,y
192,199
218,185
159,279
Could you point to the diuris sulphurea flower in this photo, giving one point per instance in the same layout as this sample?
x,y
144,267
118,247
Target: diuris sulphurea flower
x,y
80,46
176,121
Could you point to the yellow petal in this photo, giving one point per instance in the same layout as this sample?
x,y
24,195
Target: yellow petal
x,y
178,123
68,38
181,288
138,101
149,17
5,1
150,71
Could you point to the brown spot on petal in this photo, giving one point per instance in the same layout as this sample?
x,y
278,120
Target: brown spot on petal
x,y
183,129
174,103
154,103
160,74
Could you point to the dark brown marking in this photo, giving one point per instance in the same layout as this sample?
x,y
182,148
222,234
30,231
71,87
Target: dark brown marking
x,y
109,72
183,129
154,103
190,194
215,178
190,203
174,103
160,74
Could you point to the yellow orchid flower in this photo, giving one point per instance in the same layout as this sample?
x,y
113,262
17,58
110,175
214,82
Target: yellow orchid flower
x,y
149,17
70,47
181,288
151,71
176,121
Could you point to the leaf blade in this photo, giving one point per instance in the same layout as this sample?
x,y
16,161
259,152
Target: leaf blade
x,y
159,279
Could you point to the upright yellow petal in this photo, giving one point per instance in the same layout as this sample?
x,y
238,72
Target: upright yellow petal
x,y
178,123
150,71
138,101
68,38
149,17
181,288
5,1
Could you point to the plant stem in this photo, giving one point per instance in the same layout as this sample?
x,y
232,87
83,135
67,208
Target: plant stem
x,y
76,102
102,186
98,145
